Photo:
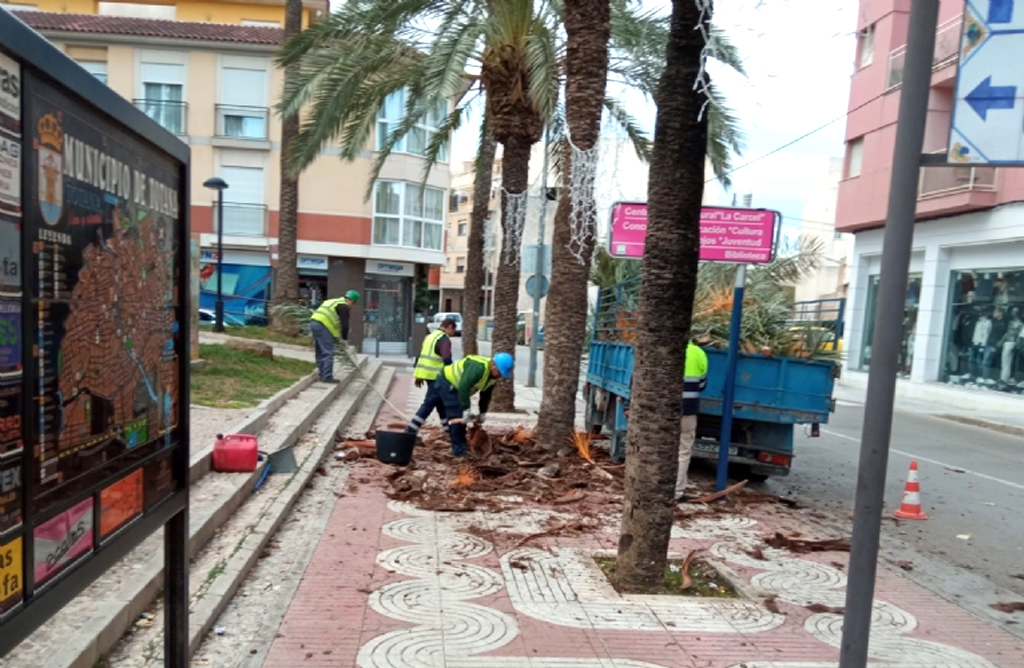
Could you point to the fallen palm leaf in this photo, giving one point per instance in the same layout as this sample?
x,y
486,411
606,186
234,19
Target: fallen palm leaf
x,y
685,570
581,441
571,496
1008,608
717,495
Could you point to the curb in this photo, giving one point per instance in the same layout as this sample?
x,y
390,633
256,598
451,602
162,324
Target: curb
x,y
222,589
106,628
1001,427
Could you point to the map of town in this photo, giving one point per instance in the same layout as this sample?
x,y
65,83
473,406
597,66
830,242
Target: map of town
x,y
117,369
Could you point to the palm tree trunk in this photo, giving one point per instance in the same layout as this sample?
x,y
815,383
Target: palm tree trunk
x,y
286,283
473,291
587,26
515,179
666,306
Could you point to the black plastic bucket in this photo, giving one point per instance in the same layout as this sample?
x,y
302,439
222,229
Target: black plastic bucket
x,y
395,447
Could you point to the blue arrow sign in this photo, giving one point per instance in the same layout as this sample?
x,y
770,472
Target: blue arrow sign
x,y
986,97
1000,11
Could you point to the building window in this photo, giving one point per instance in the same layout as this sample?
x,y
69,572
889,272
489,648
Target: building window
x,y
97,69
462,229
137,10
866,45
460,265
854,158
162,87
416,141
245,210
242,112
910,309
985,330
406,215
261,24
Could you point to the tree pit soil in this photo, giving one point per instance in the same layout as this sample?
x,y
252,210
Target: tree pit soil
x,y
706,581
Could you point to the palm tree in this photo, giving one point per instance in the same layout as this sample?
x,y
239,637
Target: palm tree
x,y
286,281
353,60
668,285
473,290
637,44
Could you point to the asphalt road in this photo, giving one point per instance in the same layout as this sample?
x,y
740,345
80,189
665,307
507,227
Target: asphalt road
x,y
972,486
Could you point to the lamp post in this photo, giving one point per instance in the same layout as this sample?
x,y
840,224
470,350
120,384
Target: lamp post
x,y
218,184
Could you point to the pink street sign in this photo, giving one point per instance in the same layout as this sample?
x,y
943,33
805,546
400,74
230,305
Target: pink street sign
x,y
739,236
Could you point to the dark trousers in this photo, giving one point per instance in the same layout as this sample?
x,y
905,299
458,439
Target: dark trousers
x,y
453,410
432,401
323,341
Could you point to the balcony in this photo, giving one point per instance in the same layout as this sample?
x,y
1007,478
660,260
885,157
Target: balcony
x,y
237,122
947,50
949,190
243,220
172,116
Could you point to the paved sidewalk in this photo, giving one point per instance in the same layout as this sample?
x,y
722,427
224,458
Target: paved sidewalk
x,y
394,586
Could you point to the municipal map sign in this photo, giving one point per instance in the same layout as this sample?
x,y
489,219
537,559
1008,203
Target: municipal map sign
x,y
988,114
736,236
94,331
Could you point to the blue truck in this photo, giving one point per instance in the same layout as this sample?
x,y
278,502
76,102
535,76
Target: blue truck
x,y
773,394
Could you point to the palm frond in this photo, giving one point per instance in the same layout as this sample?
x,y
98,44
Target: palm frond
x,y
637,136
725,137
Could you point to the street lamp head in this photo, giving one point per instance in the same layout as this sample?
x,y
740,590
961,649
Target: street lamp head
x,y
215,183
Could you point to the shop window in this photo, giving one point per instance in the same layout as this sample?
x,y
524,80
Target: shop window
x,y
910,309
985,330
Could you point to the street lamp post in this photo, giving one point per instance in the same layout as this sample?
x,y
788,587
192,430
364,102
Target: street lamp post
x,y
218,184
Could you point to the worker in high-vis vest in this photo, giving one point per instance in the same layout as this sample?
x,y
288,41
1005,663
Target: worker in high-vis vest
x,y
434,356
329,322
695,378
460,381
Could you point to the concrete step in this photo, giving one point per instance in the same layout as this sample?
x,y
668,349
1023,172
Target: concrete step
x,y
92,623
225,564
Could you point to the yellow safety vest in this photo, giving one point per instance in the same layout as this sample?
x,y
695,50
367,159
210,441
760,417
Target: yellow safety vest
x,y
429,363
453,372
328,317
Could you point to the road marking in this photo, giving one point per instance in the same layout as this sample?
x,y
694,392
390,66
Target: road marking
x,y
931,461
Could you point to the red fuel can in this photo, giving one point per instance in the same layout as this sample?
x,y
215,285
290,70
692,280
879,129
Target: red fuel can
x,y
235,453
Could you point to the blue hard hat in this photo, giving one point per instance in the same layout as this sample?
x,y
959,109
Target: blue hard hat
x,y
505,363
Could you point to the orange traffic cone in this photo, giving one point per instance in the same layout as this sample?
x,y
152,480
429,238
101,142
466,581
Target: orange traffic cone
x,y
910,509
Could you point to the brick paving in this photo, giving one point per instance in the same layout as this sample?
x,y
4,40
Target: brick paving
x,y
390,585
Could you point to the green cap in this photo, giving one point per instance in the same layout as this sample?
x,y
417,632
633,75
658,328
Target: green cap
x,y
353,295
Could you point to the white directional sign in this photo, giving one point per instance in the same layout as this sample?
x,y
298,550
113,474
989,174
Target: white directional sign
x,y
988,114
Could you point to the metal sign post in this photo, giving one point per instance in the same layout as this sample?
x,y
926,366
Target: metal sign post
x,y
538,274
729,395
896,247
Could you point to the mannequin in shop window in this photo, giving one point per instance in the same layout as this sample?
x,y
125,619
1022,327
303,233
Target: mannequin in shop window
x,y
1009,343
962,336
979,345
995,343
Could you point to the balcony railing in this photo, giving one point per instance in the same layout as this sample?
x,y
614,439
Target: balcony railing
x,y
238,122
243,220
947,50
173,116
947,180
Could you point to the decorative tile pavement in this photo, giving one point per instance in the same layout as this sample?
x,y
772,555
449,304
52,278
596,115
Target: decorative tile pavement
x,y
393,586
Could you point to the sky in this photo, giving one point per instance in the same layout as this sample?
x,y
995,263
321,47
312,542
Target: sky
x,y
799,57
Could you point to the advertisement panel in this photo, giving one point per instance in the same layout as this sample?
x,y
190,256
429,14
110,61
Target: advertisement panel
x,y
120,503
11,570
739,236
61,540
10,175
10,492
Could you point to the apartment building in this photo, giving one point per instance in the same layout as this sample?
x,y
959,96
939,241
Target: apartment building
x,y
965,297
819,223
452,276
205,71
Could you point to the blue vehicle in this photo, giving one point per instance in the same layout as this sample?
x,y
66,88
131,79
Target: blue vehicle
x,y
773,394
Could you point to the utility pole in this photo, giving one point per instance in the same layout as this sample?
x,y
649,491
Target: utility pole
x,y
896,247
538,272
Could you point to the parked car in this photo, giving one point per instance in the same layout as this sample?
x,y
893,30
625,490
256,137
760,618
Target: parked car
x,y
435,322
208,317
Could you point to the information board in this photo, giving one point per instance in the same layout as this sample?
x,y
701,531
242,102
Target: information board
x,y
730,235
94,335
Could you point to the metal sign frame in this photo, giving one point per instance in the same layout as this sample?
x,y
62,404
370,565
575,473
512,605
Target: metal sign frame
x,y
44,68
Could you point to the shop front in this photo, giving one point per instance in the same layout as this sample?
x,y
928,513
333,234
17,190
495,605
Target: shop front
x,y
246,285
963,320
388,314
312,279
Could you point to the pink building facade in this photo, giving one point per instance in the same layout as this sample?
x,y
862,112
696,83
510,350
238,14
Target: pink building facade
x,y
964,316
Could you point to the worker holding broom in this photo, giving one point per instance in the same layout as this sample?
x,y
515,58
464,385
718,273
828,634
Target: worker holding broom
x,y
695,378
435,355
327,323
460,381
